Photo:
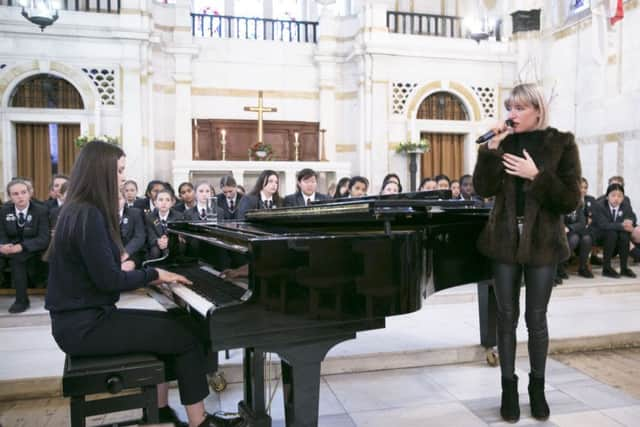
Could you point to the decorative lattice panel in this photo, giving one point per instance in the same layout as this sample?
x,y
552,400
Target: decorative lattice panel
x,y
105,81
488,101
400,93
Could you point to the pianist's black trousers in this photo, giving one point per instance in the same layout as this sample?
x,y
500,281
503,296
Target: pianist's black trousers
x,y
538,285
109,331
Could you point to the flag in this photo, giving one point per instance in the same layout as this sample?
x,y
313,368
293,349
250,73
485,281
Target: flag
x,y
616,11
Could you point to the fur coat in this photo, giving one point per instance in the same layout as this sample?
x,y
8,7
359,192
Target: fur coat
x,y
553,193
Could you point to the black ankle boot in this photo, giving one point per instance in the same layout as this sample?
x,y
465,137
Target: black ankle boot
x,y
510,407
539,406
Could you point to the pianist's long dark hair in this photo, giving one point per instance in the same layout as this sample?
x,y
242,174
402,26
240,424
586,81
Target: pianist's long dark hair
x,y
261,182
93,183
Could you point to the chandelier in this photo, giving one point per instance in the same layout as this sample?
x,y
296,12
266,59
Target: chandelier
x,y
40,12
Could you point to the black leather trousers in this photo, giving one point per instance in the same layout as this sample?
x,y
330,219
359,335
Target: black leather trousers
x,y
538,285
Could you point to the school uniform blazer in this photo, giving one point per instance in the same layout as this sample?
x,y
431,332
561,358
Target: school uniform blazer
x,y
552,194
143,205
154,225
250,202
576,221
132,230
297,199
223,207
602,219
35,233
85,270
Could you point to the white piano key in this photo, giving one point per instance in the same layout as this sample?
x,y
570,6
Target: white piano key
x,y
195,301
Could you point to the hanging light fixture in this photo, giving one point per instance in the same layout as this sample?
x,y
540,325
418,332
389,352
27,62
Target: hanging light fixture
x,y
40,12
479,29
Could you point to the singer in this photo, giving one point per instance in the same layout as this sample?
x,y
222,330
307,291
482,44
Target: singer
x,y
534,173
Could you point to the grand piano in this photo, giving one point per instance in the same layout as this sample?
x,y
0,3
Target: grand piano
x,y
316,276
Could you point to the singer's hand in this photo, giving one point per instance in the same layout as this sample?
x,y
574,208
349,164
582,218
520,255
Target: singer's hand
x,y
519,166
501,130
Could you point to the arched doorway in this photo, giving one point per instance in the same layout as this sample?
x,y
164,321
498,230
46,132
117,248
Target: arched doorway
x,y
446,152
44,149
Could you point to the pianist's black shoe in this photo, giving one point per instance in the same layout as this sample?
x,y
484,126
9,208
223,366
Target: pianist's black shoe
x,y
168,415
223,419
510,405
610,272
627,272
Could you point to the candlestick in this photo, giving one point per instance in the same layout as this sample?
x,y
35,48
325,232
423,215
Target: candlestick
x,y
296,144
323,156
223,142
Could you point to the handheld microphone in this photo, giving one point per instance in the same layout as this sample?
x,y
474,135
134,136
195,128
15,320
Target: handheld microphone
x,y
487,136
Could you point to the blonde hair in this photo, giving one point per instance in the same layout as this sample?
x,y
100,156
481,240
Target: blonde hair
x,y
529,94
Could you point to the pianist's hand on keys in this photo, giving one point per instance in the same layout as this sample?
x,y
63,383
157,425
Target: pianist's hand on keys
x,y
165,276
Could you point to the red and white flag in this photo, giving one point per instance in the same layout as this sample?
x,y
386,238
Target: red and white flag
x,y
616,11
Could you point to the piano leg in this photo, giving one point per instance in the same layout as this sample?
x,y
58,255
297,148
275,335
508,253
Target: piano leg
x,y
252,408
301,381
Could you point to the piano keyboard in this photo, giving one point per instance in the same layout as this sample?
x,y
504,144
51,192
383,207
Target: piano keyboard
x,y
208,290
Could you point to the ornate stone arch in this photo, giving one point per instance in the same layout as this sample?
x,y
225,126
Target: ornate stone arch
x,y
466,96
12,76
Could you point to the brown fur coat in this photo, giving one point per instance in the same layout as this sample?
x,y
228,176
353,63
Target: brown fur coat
x,y
553,193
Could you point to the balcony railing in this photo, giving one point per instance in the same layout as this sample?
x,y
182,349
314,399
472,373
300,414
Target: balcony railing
x,y
424,24
99,6
240,27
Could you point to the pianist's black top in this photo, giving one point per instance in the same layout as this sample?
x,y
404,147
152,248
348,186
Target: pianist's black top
x,y
85,271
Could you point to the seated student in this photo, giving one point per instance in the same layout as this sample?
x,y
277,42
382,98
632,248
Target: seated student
x,y
635,234
579,238
442,182
229,199
455,189
205,207
130,192
342,188
55,211
264,194
54,199
86,278
186,196
428,184
132,232
24,235
613,222
390,186
306,194
358,186
146,205
392,177
587,200
466,188
157,235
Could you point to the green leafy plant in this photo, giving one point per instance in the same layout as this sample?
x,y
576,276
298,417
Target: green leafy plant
x,y
261,151
410,146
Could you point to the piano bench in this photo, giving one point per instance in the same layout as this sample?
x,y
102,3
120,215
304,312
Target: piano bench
x,y
112,374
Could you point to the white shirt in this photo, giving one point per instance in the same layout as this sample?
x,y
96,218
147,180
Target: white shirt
x,y
165,218
22,211
311,198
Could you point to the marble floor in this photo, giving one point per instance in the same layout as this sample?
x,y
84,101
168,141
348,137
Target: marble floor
x,y
465,395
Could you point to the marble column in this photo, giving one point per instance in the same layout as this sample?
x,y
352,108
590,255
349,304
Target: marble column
x,y
132,123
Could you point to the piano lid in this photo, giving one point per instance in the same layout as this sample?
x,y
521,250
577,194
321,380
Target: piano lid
x,y
389,207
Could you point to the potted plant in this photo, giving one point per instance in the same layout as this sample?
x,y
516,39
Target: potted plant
x,y
413,147
261,151
84,139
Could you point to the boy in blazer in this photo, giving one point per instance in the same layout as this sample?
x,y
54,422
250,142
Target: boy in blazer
x,y
229,199
306,194
24,235
613,223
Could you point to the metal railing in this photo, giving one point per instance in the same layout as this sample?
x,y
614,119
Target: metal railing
x,y
424,24
241,27
98,6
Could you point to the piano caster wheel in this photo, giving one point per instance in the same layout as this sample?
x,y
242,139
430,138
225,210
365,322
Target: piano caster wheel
x,y
492,357
218,381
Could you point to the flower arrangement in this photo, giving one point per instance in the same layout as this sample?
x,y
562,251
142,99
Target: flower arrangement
x,y
261,151
82,140
413,147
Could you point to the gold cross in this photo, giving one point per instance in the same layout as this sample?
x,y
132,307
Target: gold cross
x,y
260,109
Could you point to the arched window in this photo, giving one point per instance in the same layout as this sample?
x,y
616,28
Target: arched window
x,y
45,91
442,106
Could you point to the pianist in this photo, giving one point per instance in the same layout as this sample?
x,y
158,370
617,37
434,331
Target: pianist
x,y
533,171
86,278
